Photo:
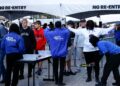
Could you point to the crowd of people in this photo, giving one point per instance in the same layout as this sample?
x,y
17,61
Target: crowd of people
x,y
87,44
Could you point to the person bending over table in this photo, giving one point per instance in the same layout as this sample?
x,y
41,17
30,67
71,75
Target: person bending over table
x,y
112,53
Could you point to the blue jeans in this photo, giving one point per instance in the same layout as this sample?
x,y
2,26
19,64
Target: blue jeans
x,y
2,67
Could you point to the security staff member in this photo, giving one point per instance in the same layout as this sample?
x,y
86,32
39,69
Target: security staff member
x,y
112,53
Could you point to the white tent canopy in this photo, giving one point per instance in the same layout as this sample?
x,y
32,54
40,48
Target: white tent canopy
x,y
74,8
9,8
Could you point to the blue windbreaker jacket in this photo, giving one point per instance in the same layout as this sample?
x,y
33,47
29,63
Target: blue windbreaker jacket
x,y
57,39
12,43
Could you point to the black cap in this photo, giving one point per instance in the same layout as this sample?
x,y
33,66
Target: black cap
x,y
70,22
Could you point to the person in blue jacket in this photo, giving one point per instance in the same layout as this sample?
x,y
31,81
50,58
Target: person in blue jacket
x,y
117,33
3,32
13,46
112,53
57,40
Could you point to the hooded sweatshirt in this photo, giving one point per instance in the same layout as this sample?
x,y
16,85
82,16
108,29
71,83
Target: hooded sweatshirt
x,y
29,39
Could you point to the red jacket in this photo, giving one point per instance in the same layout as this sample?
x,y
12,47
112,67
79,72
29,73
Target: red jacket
x,y
40,39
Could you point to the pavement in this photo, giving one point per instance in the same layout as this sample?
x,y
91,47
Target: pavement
x,y
72,80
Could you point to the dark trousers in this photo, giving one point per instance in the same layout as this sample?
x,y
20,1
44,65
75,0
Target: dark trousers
x,y
91,57
112,64
118,43
12,66
30,66
56,62
2,67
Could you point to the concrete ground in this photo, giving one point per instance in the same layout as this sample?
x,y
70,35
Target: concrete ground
x,y
72,80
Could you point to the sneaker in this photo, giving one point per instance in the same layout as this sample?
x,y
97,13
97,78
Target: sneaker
x,y
3,81
88,80
114,83
21,77
71,73
39,72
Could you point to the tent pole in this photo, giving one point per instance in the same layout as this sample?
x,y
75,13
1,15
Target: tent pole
x,y
100,22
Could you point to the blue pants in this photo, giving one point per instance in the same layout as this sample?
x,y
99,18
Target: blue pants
x,y
2,67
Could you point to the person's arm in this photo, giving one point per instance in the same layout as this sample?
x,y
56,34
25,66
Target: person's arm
x,y
21,45
105,31
76,31
2,46
33,40
46,32
0,35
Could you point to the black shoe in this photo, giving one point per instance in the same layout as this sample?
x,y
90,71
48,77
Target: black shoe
x,y
97,80
61,84
39,72
21,77
66,73
3,81
29,75
115,84
71,73
100,84
56,83
88,80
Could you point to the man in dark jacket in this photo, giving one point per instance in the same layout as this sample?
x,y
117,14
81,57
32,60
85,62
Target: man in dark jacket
x,y
30,44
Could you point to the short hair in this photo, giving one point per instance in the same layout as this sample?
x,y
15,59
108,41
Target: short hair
x,y
14,28
44,25
38,22
58,24
25,20
90,24
93,40
51,25
70,23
